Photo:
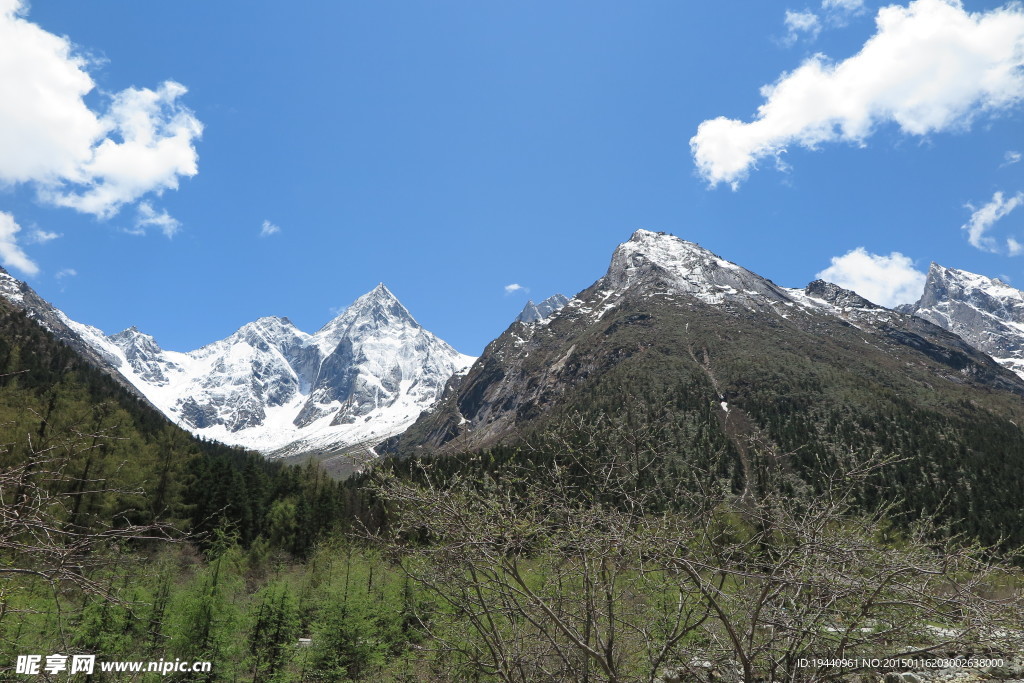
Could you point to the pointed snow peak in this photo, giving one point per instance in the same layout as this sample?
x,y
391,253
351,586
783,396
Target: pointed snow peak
x,y
529,314
376,310
532,312
378,295
131,337
380,306
986,312
129,333
945,283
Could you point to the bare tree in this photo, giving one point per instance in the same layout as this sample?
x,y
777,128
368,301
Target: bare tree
x,y
574,571
45,531
796,582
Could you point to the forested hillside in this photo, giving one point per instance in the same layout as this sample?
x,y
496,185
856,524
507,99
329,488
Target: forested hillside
x,y
109,509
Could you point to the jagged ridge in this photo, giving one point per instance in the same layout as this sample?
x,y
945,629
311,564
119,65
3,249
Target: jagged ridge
x,y
364,376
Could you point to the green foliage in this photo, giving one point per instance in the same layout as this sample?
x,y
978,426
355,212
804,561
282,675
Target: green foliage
x,y
84,463
273,632
206,617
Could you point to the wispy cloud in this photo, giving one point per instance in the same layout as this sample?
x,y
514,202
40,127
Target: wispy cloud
x,y
39,236
268,229
984,217
11,254
62,275
887,280
515,287
931,66
807,24
801,24
843,7
94,161
1011,158
146,217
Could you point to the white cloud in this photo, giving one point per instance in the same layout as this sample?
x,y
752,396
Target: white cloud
x,y
1014,247
808,25
839,12
1011,158
845,6
887,280
514,287
931,66
61,275
94,162
11,254
146,216
984,217
798,23
40,236
268,229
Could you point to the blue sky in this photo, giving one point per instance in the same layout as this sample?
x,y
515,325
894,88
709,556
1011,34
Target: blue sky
x,y
188,167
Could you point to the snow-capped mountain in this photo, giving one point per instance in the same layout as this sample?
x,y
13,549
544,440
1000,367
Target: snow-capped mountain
x,y
668,308
663,265
364,376
986,312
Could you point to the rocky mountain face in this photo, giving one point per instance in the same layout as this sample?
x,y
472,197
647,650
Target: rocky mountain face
x,y
671,308
532,312
985,312
732,381
364,376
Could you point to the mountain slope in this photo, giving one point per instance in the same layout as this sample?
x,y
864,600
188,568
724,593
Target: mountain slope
x,y
65,330
731,368
663,297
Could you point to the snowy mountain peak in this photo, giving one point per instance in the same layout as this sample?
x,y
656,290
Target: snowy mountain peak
x,y
143,355
986,312
269,332
532,312
665,262
11,288
365,375
943,283
646,249
132,335
379,296
382,307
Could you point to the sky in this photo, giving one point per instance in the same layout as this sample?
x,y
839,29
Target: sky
x,y
189,167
